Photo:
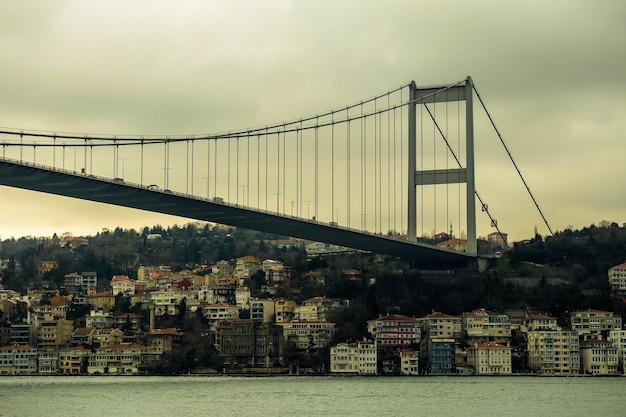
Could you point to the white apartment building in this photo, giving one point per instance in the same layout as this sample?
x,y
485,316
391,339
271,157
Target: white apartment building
x,y
215,312
354,358
617,279
489,358
122,284
554,352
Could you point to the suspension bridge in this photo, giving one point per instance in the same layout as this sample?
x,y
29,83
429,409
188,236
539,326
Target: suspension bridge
x,y
382,175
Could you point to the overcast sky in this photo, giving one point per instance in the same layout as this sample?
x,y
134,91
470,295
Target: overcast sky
x,y
552,74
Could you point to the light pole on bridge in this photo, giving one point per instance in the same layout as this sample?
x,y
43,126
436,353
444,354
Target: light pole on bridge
x,y
308,211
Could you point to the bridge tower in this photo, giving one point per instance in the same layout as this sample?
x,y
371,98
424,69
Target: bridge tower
x,y
438,94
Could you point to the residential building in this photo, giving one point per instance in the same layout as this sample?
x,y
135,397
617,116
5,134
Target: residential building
x,y
242,297
48,362
215,312
618,339
314,309
553,352
54,333
539,322
438,356
441,326
598,357
263,310
617,280
480,325
395,330
83,336
409,362
285,310
107,337
307,336
160,341
120,359
248,343
167,302
80,283
99,319
122,284
23,334
246,266
18,360
354,358
594,323
489,358
73,360
455,244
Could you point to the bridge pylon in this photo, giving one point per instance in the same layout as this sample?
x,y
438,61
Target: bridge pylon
x,y
437,94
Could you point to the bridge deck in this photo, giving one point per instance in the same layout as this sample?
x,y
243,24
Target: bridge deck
x,y
102,190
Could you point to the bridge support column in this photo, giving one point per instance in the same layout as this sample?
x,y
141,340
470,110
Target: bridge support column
x,y
465,175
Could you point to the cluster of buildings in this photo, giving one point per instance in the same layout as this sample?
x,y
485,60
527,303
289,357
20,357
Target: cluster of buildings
x,y
261,334
479,343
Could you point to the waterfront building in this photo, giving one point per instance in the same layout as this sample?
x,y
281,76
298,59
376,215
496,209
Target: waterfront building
x,y
73,360
307,336
47,362
618,339
409,362
489,358
23,334
395,330
120,359
598,357
18,360
248,343
553,352
438,356
354,358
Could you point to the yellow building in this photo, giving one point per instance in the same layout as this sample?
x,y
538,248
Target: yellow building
x,y
73,360
55,333
489,358
599,357
121,359
553,352
46,266
285,310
